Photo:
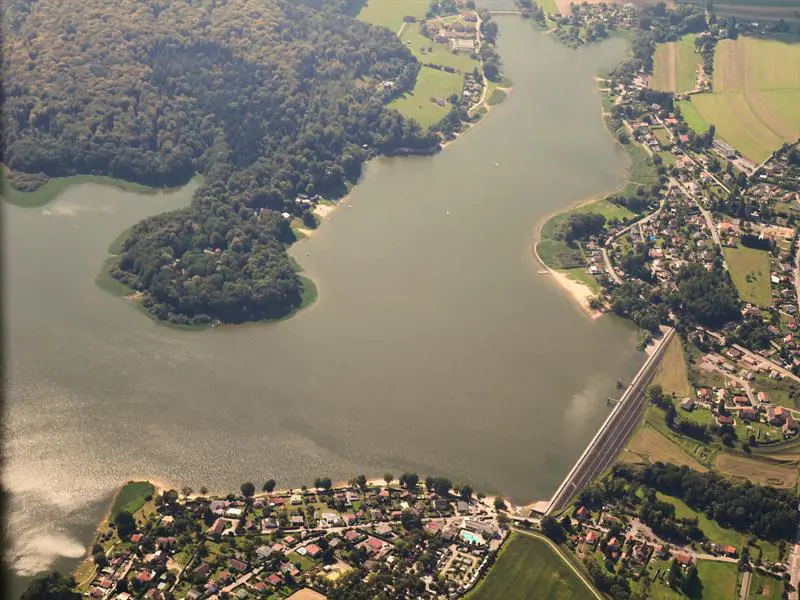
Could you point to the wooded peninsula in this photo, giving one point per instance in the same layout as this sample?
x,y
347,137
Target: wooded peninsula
x,y
270,101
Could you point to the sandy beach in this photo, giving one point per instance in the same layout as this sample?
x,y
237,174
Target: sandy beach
x,y
579,292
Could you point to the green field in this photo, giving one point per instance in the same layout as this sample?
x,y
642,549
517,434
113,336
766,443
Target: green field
x,y
528,567
427,51
763,587
390,13
430,83
749,270
692,117
132,496
675,65
720,580
756,95
713,532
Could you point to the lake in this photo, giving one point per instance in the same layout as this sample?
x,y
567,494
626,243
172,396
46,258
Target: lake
x,y
434,345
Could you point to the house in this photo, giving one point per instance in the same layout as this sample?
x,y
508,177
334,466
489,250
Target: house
x,y
375,545
741,400
683,560
144,577
591,538
748,413
276,501
275,580
313,550
202,570
729,551
762,397
725,420
264,552
217,528
296,521
136,538
353,536
687,404
790,424
238,565
581,514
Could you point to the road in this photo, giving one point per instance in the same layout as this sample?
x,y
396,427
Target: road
x,y
703,211
745,589
613,434
609,267
794,567
767,362
797,276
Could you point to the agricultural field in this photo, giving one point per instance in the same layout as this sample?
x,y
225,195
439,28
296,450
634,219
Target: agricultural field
x,y
430,83
761,10
675,66
763,472
528,567
756,95
390,13
749,270
672,374
648,445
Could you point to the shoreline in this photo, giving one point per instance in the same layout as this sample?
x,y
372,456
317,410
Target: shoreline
x,y
579,292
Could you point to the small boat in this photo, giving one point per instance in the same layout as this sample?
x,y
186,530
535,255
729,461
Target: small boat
x,y
349,206
542,271
447,212
620,384
496,164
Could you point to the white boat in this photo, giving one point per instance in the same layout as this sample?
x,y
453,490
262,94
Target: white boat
x,y
447,212
496,164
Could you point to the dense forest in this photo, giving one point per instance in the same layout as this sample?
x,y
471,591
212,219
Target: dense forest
x,y
267,99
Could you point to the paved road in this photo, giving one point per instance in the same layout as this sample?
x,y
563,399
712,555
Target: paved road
x,y
794,567
745,589
613,434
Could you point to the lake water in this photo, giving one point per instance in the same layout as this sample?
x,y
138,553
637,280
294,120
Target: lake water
x,y
434,345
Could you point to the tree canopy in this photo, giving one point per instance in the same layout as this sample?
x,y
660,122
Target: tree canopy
x,y
267,99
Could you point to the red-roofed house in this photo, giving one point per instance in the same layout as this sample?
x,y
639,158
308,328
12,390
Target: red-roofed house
x,y
375,544
313,550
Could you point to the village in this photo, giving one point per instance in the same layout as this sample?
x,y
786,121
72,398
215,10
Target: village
x,y
300,543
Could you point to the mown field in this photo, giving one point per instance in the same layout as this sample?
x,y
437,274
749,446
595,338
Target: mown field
x,y
749,270
720,580
390,13
675,66
756,95
528,567
430,83
772,10
763,587
692,117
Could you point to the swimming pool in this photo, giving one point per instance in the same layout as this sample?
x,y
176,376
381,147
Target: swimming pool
x,y
471,538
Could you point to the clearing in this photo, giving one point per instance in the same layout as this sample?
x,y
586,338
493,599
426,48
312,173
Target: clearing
x,y
528,567
390,13
756,95
749,270
430,84
675,66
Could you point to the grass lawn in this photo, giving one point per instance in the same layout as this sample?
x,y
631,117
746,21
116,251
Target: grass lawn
x,y
430,83
711,529
580,275
132,496
756,95
777,390
692,117
427,51
390,13
528,567
305,562
764,587
672,374
496,97
720,580
749,270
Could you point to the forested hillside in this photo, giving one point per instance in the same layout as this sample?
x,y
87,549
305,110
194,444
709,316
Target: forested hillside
x,y
267,99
